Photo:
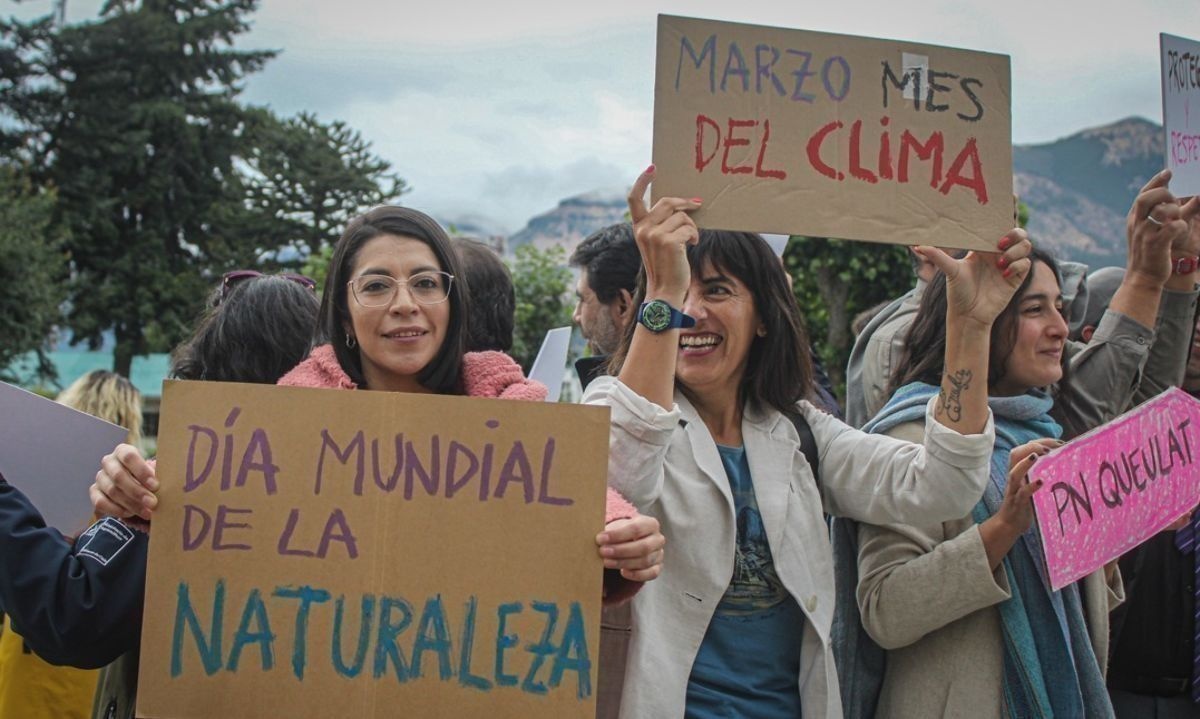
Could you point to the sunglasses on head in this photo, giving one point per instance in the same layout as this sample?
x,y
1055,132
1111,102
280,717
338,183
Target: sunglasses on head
x,y
229,280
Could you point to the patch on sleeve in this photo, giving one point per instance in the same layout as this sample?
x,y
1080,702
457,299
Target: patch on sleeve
x,y
104,540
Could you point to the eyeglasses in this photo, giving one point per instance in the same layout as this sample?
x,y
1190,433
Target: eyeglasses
x,y
229,280
427,288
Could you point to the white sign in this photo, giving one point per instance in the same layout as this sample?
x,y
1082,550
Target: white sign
x,y
551,364
52,453
1181,129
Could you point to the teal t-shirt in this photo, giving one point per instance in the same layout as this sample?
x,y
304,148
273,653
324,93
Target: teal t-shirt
x,y
749,661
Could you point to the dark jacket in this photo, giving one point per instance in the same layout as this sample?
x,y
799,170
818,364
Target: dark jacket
x,y
76,604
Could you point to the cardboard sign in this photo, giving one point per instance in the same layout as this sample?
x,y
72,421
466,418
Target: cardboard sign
x,y
1116,486
797,132
372,554
1180,90
52,452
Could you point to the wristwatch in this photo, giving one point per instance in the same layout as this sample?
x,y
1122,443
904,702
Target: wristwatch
x,y
1185,265
659,316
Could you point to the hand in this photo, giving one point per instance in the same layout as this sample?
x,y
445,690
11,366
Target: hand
x,y
1001,531
634,545
1156,224
663,234
124,485
1180,523
980,285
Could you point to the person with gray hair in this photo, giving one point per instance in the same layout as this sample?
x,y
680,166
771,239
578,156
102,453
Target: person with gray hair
x,y
1101,286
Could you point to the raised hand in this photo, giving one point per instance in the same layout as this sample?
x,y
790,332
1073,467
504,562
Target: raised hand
x,y
1001,531
663,233
1157,222
980,285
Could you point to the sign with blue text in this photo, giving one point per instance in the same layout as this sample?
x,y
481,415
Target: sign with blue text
x,y
372,554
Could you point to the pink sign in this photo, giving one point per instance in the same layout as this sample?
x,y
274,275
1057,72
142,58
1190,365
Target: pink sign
x,y
1116,486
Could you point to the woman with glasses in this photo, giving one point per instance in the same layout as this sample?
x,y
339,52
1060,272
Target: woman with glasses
x,y
395,314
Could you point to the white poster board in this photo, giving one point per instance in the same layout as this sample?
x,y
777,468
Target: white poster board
x,y
52,453
1181,129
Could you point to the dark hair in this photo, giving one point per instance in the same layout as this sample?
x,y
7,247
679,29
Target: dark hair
x,y
779,370
923,357
493,300
261,330
442,373
612,261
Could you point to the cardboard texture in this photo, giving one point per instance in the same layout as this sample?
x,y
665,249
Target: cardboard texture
x,y
1113,488
797,132
1180,89
285,518
52,453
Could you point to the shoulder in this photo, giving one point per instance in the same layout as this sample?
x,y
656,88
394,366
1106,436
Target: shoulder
x,y
495,374
321,369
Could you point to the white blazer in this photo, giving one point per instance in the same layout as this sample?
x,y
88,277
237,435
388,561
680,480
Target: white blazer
x,y
667,464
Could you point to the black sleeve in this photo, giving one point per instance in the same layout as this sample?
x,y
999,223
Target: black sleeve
x,y
78,605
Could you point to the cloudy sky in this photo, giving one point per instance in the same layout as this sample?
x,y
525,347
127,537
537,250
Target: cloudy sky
x,y
502,109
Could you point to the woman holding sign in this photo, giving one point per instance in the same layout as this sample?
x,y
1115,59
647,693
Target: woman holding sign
x,y
709,419
963,608
397,317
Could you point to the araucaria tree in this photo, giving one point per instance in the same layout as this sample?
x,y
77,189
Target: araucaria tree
x,y
133,119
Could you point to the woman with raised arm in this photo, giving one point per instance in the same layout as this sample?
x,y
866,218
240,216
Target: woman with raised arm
x,y
964,617
709,415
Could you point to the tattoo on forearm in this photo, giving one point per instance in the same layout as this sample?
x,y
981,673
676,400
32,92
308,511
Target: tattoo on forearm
x,y
951,402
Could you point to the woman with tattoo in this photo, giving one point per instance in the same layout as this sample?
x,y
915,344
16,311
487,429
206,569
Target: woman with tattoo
x,y
957,617
709,430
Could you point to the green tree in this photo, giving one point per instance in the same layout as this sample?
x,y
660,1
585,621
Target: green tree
x,y
299,182
834,280
32,270
133,119
542,284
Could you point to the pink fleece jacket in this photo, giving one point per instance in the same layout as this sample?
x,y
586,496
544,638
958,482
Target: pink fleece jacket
x,y
484,374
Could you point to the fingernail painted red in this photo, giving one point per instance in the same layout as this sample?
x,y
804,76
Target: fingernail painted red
x,y
1002,262
697,200
1006,273
1004,242
649,169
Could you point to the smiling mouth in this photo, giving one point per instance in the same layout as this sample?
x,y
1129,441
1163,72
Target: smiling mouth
x,y
405,334
697,344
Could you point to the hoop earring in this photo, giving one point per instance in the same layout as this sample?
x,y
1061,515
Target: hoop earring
x,y
350,341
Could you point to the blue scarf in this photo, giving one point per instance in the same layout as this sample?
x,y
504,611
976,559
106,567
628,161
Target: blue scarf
x,y
1050,668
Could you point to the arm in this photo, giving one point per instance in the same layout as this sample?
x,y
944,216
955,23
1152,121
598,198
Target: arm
x,y
899,568
1126,363
879,479
663,234
898,564
640,432
78,605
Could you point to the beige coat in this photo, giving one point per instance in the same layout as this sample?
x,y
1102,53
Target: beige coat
x,y
667,464
928,596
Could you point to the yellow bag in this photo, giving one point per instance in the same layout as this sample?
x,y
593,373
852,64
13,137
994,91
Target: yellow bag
x,y
32,689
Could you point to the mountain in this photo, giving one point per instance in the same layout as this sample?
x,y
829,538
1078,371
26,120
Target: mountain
x,y
572,220
1079,188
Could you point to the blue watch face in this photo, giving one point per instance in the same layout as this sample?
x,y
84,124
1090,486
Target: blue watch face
x,y
656,315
